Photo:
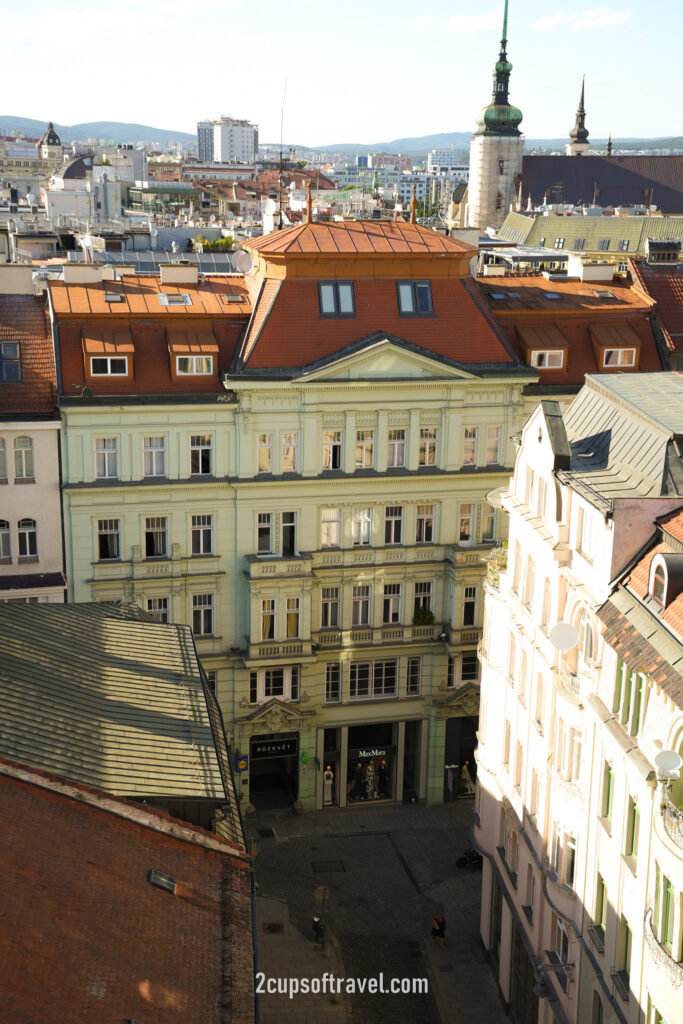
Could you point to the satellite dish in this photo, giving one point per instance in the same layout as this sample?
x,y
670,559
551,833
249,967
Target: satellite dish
x,y
242,261
668,763
268,206
564,636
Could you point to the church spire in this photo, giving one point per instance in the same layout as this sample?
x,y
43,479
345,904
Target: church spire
x,y
500,118
578,136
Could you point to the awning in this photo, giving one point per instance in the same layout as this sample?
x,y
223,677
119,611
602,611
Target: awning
x,y
614,336
113,342
543,336
197,342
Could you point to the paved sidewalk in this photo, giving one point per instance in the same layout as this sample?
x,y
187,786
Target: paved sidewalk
x,y
388,869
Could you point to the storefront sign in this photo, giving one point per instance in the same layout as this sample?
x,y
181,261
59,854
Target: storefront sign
x,y
304,757
242,763
274,748
371,752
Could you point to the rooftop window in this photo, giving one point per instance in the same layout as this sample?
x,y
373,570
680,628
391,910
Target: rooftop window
x,y
604,293
619,357
336,299
108,366
547,359
553,295
174,299
113,297
10,363
415,298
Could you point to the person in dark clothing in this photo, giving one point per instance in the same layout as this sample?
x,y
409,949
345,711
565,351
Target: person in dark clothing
x,y
439,929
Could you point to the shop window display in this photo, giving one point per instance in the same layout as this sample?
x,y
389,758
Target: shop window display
x,y
370,778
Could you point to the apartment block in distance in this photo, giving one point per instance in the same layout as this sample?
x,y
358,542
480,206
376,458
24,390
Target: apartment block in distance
x,y
578,813
295,462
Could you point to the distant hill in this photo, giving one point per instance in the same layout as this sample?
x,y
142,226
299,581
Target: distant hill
x,y
110,130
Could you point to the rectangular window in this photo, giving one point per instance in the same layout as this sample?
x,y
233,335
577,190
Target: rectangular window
x,y
469,448
632,829
174,299
414,677
365,449
108,366
202,614
330,527
200,454
293,617
559,243
361,606
506,744
427,452
372,680
106,458
579,243
607,791
585,533
422,598
361,526
469,607
603,244
202,535
393,524
194,366
488,524
264,531
154,456
27,535
519,761
156,528
569,860
424,533
622,245
600,919
414,298
157,608
533,796
264,453
469,667
211,680
547,360
396,449
333,682
336,298
10,362
512,658
290,440
466,524
619,357
108,539
493,435
273,682
332,449
266,683
575,752
391,610
288,534
5,541
329,608
268,619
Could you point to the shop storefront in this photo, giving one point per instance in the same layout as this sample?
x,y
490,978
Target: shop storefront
x,y
274,775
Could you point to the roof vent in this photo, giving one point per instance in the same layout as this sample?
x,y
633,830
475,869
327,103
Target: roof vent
x,y
113,297
162,881
604,293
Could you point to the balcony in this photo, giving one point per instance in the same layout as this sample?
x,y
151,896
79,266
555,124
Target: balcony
x,y
568,683
280,650
273,566
663,974
364,555
374,636
673,820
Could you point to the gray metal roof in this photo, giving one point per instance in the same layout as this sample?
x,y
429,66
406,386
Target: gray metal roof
x,y
100,695
624,434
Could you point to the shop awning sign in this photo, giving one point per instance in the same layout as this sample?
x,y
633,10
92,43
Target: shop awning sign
x,y
273,748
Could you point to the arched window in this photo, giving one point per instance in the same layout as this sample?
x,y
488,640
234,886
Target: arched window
x,y
658,582
585,644
23,458
28,538
5,541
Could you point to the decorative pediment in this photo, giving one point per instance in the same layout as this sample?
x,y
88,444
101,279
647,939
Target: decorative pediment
x,y
383,358
459,703
276,716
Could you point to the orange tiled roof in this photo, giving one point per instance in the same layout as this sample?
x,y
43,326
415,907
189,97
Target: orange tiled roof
x,y
80,902
23,318
141,297
288,332
639,577
358,237
665,285
529,294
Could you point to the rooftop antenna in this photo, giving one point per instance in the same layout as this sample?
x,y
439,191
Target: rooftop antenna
x,y
279,176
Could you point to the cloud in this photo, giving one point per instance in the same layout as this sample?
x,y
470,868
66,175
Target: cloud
x,y
583,21
417,24
475,22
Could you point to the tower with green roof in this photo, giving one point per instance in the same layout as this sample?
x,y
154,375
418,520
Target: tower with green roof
x,y
496,149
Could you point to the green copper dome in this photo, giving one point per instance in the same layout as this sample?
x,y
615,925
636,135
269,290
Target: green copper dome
x,y
499,119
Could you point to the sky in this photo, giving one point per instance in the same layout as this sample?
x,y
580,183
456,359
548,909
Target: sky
x,y
362,71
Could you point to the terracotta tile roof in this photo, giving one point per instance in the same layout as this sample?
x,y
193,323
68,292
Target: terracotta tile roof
x,y
639,577
271,176
572,322
107,940
288,332
367,237
665,285
23,318
141,296
639,654
672,524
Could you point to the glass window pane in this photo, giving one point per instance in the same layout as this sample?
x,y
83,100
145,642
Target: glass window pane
x,y
345,292
327,298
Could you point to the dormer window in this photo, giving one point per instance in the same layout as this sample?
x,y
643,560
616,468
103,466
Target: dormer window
x,y
108,366
415,298
619,357
658,583
336,299
547,360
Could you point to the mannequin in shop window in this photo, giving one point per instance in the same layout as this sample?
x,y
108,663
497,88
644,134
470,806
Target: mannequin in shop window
x,y
383,780
328,786
371,781
358,792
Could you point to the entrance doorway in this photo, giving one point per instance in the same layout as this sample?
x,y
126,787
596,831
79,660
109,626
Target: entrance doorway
x,y
459,764
274,771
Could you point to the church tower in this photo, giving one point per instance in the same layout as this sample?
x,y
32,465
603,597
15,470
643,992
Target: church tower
x,y
496,149
578,137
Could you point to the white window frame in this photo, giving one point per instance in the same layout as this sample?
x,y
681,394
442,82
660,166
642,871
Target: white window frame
x,y
377,676
106,368
202,615
360,605
264,529
267,619
157,526
464,517
470,444
393,524
396,448
365,448
201,534
3,461
547,358
333,682
27,538
264,452
488,524
391,605
422,596
200,445
329,608
624,357
154,456
493,439
194,366
424,524
361,527
158,608
5,541
282,682
292,618
106,458
109,528
429,439
330,527
413,677
24,469
333,454
469,603
289,443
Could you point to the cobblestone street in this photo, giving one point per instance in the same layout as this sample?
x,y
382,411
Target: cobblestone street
x,y
387,870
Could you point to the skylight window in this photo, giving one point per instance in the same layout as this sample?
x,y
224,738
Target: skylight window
x,y
232,298
174,299
113,297
604,293
553,295
498,296
162,881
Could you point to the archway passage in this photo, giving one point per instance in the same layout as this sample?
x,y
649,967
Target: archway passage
x,y
274,775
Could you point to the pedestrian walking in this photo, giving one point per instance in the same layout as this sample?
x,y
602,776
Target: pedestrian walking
x,y
439,929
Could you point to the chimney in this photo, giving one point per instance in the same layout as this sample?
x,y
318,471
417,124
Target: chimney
x,y
179,273
82,273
